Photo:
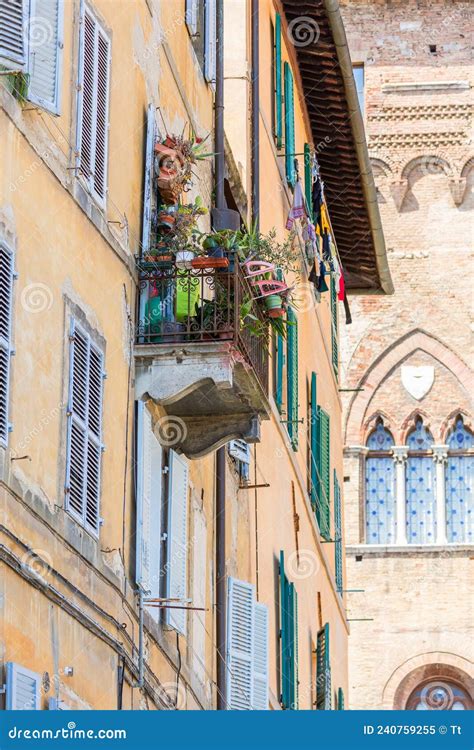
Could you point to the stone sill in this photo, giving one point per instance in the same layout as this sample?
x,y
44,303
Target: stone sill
x,y
408,550
388,88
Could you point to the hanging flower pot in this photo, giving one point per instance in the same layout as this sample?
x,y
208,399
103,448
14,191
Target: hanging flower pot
x,y
273,302
184,259
165,222
209,262
276,312
169,169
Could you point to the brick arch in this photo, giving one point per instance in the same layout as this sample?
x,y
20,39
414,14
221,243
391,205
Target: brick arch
x,y
386,363
467,166
427,162
382,165
408,424
371,422
450,420
429,665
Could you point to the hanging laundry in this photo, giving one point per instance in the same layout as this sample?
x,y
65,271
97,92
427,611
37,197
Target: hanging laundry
x,y
322,286
342,289
298,208
317,199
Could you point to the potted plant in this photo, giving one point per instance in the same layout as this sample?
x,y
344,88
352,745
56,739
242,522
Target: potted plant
x,y
185,238
175,158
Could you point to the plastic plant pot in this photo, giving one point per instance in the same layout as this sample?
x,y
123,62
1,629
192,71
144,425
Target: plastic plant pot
x,y
184,259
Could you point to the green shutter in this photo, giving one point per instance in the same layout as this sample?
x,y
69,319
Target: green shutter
x,y
279,361
289,126
289,640
313,453
292,378
323,507
323,670
334,329
338,534
278,91
308,180
340,699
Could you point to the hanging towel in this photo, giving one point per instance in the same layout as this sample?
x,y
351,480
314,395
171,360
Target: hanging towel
x,y
298,208
342,289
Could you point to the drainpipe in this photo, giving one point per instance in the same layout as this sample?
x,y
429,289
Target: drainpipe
x,y
255,161
219,166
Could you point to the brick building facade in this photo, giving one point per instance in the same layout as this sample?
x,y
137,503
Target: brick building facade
x,y
408,415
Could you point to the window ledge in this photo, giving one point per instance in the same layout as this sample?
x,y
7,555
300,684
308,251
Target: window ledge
x,y
409,550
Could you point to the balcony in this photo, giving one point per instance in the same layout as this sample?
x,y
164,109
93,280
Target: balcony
x,y
201,355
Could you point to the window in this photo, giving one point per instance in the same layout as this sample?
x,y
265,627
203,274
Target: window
x,y
201,23
93,105
239,450
323,670
247,648
323,469
380,517
278,98
149,498
338,534
84,430
44,53
359,78
292,378
439,695
6,300
459,481
288,640
22,688
12,39
289,126
420,487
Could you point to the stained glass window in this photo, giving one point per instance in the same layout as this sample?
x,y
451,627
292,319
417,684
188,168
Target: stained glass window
x,y
420,487
380,488
459,482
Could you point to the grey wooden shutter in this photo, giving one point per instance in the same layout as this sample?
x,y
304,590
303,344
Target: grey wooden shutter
x,y
44,52
147,177
84,446
240,637
210,41
260,658
22,688
149,504
12,38
192,10
177,540
6,297
93,105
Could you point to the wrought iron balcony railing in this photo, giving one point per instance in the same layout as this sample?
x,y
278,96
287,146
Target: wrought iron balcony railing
x,y
201,305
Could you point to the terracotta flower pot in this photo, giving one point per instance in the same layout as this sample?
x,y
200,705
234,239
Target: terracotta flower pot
x,y
166,222
169,169
209,262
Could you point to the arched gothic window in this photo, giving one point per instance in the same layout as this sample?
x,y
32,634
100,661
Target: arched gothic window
x,y
439,695
420,487
380,487
459,480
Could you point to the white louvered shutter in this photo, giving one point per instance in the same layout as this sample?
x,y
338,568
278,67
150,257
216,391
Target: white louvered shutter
x,y
84,444
240,637
93,107
240,450
177,539
149,502
22,688
12,38
210,42
44,52
192,10
6,295
260,658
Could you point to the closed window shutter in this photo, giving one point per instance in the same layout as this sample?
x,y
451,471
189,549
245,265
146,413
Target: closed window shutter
x,y
340,699
177,540
84,446
323,508
149,505
260,660
292,378
289,640
293,608
12,38
334,329
44,53
22,688
6,297
278,84
289,126
323,670
338,534
280,360
93,105
240,636
308,180
210,42
313,453
192,11
240,450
